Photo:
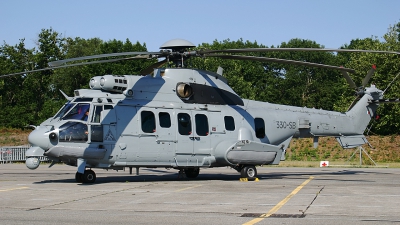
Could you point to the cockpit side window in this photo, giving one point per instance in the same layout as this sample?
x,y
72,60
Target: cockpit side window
x,y
96,113
96,134
73,132
79,112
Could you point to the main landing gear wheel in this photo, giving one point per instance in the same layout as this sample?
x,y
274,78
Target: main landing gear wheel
x,y
248,172
192,172
89,176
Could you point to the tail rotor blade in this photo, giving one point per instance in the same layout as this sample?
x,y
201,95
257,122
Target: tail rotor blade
x,y
369,75
348,79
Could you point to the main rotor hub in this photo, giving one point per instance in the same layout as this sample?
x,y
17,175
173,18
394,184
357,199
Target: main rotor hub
x,y
177,45
178,48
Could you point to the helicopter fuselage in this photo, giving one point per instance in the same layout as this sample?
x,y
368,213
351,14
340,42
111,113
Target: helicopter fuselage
x,y
179,118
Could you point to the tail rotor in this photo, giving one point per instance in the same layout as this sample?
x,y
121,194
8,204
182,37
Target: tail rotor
x,y
359,90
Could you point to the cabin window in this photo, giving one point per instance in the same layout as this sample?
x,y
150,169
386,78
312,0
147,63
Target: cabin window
x,y
229,123
184,124
259,127
201,124
165,119
148,122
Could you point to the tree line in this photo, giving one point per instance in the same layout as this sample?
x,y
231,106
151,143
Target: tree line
x,y
31,98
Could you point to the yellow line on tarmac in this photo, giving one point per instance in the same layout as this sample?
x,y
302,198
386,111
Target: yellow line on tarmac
x,y
13,189
280,204
184,189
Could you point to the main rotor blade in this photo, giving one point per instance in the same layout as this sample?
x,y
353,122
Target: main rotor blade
x,y
285,61
25,72
368,76
242,50
75,64
391,83
150,69
60,62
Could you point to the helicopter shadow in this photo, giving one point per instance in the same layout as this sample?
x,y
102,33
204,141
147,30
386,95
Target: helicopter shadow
x,y
168,176
319,175
146,178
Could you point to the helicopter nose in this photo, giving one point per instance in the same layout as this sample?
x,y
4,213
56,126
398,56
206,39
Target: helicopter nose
x,y
40,137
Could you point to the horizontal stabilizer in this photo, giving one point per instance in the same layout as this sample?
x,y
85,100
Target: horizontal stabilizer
x,y
352,141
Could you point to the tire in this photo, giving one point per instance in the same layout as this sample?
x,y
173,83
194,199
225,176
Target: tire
x,y
192,172
89,176
248,172
78,177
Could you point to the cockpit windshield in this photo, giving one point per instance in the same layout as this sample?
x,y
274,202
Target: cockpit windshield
x,y
79,111
74,111
64,109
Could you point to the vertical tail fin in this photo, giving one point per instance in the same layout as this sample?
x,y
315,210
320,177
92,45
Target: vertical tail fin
x,y
364,110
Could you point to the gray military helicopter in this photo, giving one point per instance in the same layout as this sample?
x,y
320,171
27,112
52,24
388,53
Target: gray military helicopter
x,y
186,118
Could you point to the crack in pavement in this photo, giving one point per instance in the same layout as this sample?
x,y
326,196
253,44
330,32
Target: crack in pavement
x,y
89,197
316,195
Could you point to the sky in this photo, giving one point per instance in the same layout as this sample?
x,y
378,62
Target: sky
x,y
331,23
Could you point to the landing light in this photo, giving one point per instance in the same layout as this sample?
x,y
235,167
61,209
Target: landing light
x,y
53,136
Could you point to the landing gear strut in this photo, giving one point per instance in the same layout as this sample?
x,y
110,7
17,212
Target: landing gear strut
x,y
89,176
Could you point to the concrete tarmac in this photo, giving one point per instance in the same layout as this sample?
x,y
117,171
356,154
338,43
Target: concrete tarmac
x,y
160,196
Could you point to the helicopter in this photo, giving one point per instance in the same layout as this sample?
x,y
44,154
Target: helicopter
x,y
187,119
